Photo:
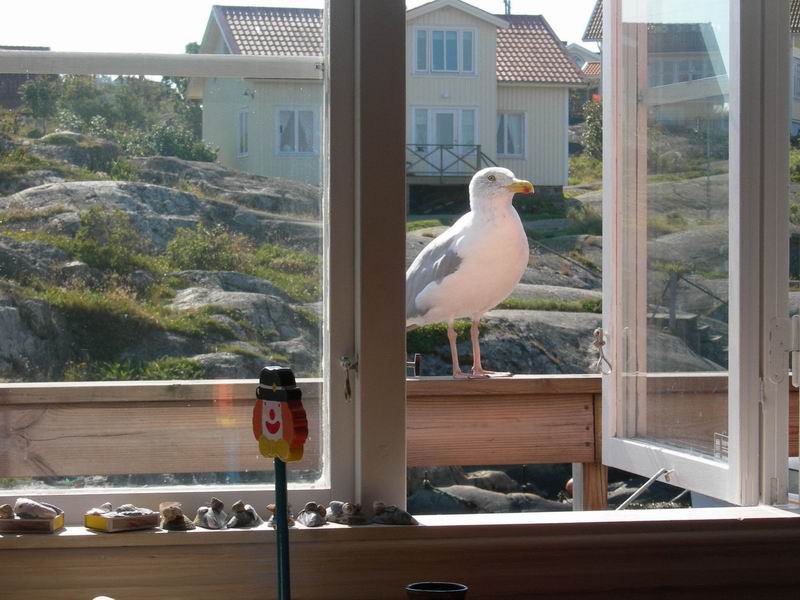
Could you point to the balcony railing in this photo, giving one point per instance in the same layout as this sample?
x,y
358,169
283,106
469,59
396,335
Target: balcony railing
x,y
445,160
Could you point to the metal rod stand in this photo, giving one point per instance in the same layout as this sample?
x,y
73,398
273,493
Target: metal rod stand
x,y
282,530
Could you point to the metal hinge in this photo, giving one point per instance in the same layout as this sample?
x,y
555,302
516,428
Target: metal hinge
x,y
794,350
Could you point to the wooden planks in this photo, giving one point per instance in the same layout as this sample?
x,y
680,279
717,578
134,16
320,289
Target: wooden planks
x,y
499,429
143,430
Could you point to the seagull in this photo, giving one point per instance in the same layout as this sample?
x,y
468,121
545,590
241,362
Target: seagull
x,y
473,266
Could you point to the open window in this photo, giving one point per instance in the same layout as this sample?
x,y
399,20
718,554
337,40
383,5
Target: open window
x,y
695,229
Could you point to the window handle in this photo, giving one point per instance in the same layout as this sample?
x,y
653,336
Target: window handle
x,y
348,363
599,342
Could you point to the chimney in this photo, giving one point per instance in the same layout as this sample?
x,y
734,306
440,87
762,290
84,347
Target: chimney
x,y
508,6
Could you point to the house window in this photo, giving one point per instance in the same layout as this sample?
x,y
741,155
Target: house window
x,y
297,132
451,50
243,133
511,134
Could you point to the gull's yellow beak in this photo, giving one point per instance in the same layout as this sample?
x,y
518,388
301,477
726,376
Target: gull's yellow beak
x,y
520,186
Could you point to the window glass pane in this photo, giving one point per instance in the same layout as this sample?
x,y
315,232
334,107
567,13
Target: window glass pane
x,y
147,248
501,136
466,47
516,136
437,50
674,219
451,42
467,126
287,131
305,131
421,126
422,50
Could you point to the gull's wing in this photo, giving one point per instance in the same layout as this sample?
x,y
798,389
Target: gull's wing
x,y
437,260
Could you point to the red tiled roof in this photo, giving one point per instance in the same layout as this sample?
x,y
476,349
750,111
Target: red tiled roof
x,y
271,31
529,52
592,69
594,28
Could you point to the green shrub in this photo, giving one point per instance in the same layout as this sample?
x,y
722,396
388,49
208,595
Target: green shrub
x,y
107,240
169,140
672,222
130,370
214,249
794,165
122,170
430,338
794,214
593,133
423,224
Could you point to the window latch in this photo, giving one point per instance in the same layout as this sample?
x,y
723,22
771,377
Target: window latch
x,y
348,363
602,364
794,351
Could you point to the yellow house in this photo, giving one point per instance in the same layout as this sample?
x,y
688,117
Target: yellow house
x,y
481,89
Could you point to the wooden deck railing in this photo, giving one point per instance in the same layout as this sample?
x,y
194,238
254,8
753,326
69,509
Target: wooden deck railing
x,y
445,160
201,427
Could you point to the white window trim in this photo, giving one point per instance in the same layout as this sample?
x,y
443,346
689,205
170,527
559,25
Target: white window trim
x,y
524,154
243,137
429,70
796,78
757,461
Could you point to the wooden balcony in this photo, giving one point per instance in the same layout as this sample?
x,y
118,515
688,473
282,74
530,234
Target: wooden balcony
x,y
444,163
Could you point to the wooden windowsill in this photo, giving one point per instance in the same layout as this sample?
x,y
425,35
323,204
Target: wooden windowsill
x,y
547,527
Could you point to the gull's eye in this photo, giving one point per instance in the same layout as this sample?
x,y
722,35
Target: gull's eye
x,y
491,178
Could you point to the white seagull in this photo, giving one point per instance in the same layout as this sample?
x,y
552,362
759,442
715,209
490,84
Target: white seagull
x,y
473,266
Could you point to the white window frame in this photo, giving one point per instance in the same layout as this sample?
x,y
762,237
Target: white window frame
x,y
796,78
756,470
315,136
339,450
429,70
430,122
524,153
243,129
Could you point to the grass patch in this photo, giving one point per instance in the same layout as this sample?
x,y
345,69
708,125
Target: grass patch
x,y
585,170
16,214
432,337
424,224
16,164
170,367
672,222
584,306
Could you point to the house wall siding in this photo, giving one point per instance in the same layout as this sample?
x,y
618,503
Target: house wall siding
x,y
224,98
456,91
546,109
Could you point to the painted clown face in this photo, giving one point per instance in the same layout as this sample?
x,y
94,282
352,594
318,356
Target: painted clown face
x,y
271,420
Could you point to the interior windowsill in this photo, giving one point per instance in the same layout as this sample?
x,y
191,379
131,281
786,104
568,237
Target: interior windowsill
x,y
546,525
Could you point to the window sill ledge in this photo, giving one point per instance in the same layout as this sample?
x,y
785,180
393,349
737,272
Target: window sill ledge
x,y
548,528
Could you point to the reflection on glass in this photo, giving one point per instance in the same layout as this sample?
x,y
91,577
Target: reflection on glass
x,y
675,211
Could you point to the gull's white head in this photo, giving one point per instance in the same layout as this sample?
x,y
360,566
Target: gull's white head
x,y
495,186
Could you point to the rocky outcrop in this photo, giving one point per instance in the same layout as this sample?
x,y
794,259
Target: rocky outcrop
x,y
269,194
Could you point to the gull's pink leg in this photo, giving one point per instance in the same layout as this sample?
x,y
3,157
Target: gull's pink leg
x,y
477,370
451,335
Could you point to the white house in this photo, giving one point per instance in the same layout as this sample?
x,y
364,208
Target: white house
x,y
481,89
676,63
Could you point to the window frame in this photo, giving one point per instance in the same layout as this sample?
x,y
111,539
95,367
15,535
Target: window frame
x,y
429,70
339,426
296,109
757,465
796,78
503,113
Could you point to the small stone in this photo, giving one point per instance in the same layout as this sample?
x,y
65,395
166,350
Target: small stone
x,y
211,517
312,515
345,513
273,521
100,510
244,515
127,508
6,512
25,508
391,515
172,517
